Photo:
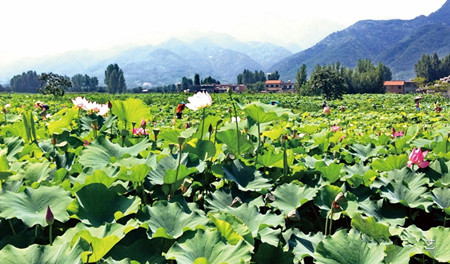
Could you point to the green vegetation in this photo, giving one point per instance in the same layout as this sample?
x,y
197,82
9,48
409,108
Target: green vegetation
x,y
254,184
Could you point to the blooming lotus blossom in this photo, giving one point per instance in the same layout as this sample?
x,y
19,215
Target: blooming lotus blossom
x,y
103,110
417,157
326,110
139,131
398,134
7,105
199,101
80,102
335,128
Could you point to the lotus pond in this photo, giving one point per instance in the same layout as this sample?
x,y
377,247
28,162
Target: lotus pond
x,y
118,179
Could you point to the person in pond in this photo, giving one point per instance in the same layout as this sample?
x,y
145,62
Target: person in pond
x,y
437,107
417,99
43,107
180,108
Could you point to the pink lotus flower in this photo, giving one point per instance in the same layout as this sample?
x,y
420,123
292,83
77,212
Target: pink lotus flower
x,y
143,123
326,110
335,128
396,133
199,101
103,110
139,131
417,157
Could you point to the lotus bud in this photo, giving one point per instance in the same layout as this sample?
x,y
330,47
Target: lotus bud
x,y
293,215
143,123
181,141
210,128
188,125
236,202
109,104
269,198
49,218
326,110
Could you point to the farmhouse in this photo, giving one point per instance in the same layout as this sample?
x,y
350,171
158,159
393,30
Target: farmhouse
x,y
277,86
400,87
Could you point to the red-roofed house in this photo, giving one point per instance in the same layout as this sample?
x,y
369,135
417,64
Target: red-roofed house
x,y
273,86
400,87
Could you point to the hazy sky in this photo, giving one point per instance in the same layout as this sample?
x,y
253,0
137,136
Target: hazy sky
x,y
41,27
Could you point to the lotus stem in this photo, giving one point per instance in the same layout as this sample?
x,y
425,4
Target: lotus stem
x,y
50,238
203,123
14,231
35,231
237,126
326,225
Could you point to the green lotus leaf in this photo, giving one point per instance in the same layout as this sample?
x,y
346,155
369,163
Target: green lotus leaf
x,y
369,226
303,245
437,245
113,205
384,213
219,200
408,188
136,174
34,172
440,173
442,146
99,176
30,206
62,120
232,228
399,255
271,159
4,168
247,178
332,172
142,250
130,110
364,152
343,248
170,135
268,254
211,246
228,137
100,239
256,221
358,174
40,254
325,197
14,145
263,113
171,220
270,236
441,197
204,149
390,163
165,171
99,153
290,196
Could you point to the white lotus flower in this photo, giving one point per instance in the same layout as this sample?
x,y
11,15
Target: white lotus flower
x,y
80,102
199,101
233,119
104,109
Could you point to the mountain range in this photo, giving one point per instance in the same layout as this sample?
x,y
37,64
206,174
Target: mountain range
x,y
398,44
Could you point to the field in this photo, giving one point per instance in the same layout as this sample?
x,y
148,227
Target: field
x,y
118,179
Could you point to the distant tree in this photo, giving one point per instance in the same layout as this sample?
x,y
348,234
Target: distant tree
x,y
248,77
196,79
55,84
301,78
25,83
114,79
328,82
432,68
185,83
84,83
273,76
366,77
210,80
